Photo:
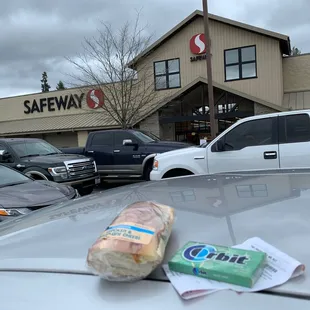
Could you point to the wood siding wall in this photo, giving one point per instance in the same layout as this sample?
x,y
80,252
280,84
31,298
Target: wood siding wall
x,y
269,84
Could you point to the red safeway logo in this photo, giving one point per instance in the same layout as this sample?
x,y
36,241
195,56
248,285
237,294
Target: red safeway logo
x,y
95,98
197,44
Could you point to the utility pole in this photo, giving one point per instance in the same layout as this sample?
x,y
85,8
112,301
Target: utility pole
x,y
213,124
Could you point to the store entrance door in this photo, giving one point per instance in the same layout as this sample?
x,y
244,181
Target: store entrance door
x,y
192,132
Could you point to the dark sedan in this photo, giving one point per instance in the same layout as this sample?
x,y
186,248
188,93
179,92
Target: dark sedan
x,y
20,194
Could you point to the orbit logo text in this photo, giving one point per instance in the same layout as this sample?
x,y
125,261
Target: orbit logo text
x,y
95,98
198,253
202,252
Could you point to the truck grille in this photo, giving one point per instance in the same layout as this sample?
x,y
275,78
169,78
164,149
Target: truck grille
x,y
78,168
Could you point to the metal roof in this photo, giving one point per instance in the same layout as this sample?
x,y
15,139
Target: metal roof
x,y
57,123
284,40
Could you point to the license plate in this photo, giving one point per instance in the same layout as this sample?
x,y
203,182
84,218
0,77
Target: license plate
x,y
97,181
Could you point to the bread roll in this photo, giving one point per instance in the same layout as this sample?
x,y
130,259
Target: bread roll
x,y
134,244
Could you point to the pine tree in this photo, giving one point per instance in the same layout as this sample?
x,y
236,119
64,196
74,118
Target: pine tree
x,y
295,51
45,87
60,86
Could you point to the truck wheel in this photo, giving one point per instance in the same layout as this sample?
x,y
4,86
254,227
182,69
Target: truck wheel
x,y
36,174
85,190
147,170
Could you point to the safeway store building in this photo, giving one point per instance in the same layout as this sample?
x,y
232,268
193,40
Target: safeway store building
x,y
252,74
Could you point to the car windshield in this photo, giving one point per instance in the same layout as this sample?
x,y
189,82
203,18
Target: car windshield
x,y
146,137
34,148
10,177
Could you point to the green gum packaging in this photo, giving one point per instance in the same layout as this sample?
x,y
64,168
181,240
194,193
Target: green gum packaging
x,y
220,263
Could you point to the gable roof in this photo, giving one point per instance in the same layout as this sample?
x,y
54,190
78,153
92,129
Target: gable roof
x,y
284,40
152,109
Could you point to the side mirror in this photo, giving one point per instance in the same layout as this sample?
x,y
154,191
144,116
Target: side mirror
x,y
127,142
5,157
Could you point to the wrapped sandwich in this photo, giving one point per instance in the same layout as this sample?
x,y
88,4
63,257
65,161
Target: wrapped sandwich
x,y
134,244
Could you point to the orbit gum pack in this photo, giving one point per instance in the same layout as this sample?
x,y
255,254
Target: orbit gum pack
x,y
220,263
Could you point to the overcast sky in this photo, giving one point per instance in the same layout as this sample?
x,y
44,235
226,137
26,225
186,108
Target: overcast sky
x,y
36,35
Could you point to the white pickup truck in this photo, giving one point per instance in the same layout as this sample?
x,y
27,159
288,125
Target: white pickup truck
x,y
270,141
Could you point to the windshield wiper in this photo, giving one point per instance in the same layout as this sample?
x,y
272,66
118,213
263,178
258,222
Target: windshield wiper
x,y
51,154
30,155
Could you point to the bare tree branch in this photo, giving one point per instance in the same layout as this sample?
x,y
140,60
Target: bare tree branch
x,y
104,64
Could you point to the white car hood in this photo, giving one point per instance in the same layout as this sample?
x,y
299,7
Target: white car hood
x,y
185,151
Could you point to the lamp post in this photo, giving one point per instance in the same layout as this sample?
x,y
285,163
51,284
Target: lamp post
x,y
213,125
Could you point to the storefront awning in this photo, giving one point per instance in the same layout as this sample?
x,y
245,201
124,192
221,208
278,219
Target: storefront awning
x,y
74,122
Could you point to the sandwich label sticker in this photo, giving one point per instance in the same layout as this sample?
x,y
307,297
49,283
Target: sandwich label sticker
x,y
129,232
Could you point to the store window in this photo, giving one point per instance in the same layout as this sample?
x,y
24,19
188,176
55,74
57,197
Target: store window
x,y
226,108
240,63
167,74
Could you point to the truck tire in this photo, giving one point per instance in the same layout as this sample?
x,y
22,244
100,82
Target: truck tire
x,y
37,174
84,191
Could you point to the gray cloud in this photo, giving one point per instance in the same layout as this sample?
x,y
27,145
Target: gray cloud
x,y
36,35
284,16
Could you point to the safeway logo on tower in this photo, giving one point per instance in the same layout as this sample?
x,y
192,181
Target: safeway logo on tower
x,y
197,44
95,98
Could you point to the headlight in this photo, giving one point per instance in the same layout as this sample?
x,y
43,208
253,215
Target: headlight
x,y
155,165
58,172
14,212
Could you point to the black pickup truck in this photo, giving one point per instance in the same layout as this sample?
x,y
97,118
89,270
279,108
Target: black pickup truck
x,y
41,161
124,154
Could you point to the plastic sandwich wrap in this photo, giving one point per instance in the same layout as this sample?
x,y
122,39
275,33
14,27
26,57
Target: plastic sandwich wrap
x,y
134,244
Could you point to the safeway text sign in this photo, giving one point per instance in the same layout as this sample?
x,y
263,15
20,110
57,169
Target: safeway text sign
x,y
53,103
94,99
